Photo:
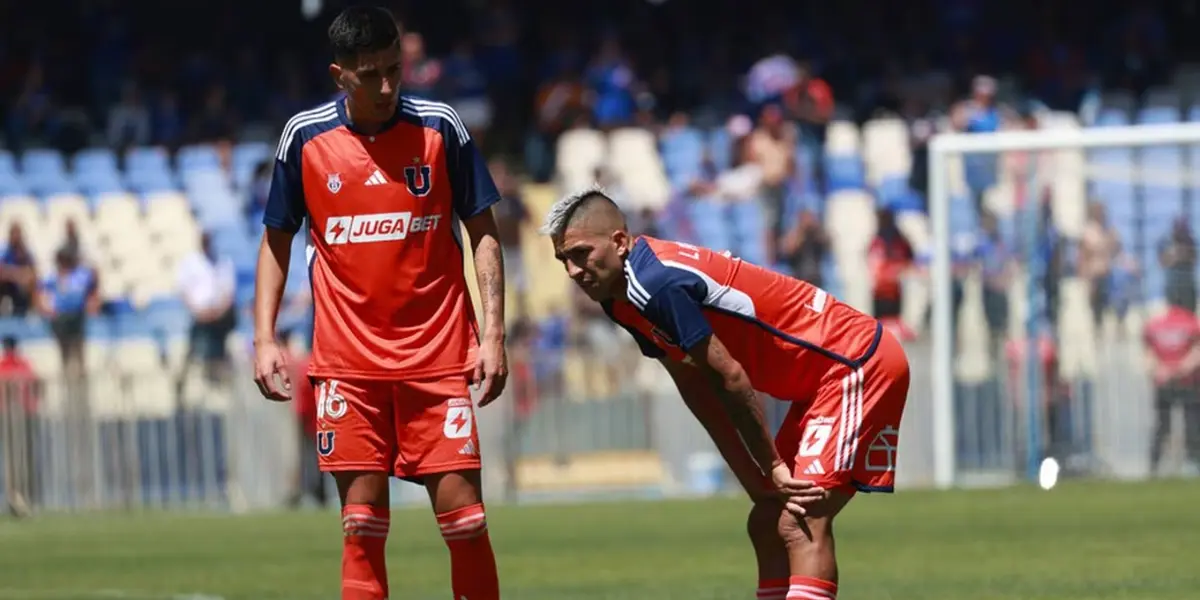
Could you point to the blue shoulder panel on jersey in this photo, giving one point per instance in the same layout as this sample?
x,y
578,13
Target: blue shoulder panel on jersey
x,y
670,298
645,344
285,202
471,184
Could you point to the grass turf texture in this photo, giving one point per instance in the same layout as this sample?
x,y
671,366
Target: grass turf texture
x,y
1079,541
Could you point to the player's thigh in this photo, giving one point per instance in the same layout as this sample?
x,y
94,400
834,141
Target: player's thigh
x,y
435,428
354,425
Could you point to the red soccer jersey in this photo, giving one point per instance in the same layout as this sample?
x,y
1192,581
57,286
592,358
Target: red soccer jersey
x,y
385,256
1172,335
786,333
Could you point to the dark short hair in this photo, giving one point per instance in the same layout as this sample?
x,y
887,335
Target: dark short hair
x,y
9,342
360,29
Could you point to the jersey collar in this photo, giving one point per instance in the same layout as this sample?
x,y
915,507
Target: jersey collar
x,y
344,115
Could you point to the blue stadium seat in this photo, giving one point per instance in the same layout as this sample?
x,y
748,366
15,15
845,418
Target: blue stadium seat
x,y
95,160
1111,117
198,157
844,173
11,184
709,224
49,184
720,148
1158,115
749,226
99,182
8,164
147,159
42,162
150,181
682,154
252,153
1193,113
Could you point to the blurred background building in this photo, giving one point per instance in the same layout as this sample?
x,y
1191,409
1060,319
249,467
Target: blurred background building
x,y
137,140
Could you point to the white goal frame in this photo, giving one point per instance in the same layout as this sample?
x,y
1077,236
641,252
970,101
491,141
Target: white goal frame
x,y
941,148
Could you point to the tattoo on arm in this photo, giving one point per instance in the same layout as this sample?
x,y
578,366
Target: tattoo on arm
x,y
489,271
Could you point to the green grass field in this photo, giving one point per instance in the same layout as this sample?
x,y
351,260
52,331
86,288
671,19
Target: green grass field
x,y
1078,541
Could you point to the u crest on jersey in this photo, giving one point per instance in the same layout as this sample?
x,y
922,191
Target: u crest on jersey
x,y
419,180
334,183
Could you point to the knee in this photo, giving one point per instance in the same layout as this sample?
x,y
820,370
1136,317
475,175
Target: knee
x,y
763,523
804,533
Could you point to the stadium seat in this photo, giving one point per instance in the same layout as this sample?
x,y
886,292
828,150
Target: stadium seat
x,y
720,148
200,157
886,150
682,154
1165,97
844,172
99,182
1119,100
95,160
42,161
841,138
579,153
1157,115
8,164
633,158
144,158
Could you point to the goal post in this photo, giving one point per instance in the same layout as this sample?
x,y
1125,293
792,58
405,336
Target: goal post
x,y
943,150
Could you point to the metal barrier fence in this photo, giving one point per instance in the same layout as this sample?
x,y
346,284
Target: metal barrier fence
x,y
570,424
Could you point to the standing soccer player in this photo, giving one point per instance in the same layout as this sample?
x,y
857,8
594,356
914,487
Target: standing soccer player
x,y
723,329
383,181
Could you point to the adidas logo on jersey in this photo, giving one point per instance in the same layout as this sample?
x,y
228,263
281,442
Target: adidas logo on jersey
x,y
815,468
376,178
468,449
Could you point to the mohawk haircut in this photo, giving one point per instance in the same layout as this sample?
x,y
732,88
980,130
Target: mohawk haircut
x,y
563,211
360,29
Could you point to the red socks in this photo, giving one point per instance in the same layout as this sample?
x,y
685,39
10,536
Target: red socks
x,y
364,569
472,563
772,589
809,588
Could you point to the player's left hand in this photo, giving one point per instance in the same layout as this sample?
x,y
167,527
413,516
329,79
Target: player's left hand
x,y
491,370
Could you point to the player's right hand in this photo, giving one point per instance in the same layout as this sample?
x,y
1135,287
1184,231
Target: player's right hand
x,y
797,493
271,371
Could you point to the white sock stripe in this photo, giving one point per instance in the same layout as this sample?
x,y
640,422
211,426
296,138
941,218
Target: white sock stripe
x,y
464,527
803,595
320,114
364,517
812,590
470,535
462,520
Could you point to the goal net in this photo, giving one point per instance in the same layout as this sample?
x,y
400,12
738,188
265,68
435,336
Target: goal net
x,y
1059,255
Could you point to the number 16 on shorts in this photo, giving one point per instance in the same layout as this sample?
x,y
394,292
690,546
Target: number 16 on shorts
x,y
330,404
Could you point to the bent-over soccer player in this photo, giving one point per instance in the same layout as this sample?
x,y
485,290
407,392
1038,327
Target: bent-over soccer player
x,y
383,181
724,328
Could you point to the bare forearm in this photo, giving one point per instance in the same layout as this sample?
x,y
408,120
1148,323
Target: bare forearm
x,y
489,272
746,412
269,281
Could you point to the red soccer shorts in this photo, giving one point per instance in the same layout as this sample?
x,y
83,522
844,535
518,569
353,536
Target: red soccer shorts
x,y
846,439
409,428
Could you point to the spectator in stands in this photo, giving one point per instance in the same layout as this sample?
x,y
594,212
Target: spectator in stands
x,y
167,121
1177,254
811,103
804,248
31,115
216,123
19,391
996,264
18,275
979,114
890,257
772,146
129,119
69,296
1098,250
511,216
207,283
613,84
1173,353
464,86
420,74
72,244
559,105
